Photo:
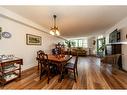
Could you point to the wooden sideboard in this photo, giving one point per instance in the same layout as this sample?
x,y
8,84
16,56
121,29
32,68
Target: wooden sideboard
x,y
10,69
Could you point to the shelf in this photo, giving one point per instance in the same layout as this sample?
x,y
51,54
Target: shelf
x,y
10,77
11,69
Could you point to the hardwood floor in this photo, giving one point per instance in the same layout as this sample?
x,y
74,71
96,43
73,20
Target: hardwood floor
x,y
92,75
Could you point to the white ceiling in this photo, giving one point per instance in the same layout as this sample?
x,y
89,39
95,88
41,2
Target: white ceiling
x,y
74,21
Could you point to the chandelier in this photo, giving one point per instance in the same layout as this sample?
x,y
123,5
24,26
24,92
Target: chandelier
x,y
54,30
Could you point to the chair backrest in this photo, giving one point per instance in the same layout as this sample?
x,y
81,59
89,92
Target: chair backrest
x,y
46,57
47,61
76,61
38,52
42,58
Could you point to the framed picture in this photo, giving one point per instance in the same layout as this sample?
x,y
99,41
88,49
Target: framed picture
x,y
33,39
0,32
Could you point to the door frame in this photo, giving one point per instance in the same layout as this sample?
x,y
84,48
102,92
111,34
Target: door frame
x,y
103,52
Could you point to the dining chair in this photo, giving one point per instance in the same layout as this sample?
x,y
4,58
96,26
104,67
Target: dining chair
x,y
38,52
45,65
72,67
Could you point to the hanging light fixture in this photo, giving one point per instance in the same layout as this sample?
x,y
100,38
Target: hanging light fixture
x,y
54,30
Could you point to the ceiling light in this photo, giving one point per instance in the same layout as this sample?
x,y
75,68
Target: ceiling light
x,y
54,30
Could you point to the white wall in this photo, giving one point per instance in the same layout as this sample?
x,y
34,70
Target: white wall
x,y
17,43
124,46
122,26
91,46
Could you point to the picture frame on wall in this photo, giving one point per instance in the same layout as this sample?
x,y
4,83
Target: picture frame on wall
x,y
33,39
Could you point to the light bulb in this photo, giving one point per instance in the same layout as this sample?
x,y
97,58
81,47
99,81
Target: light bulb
x,y
57,33
52,33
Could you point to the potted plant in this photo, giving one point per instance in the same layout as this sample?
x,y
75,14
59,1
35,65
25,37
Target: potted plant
x,y
69,44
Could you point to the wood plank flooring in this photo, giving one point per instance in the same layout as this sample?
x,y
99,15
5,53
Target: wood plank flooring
x,y
92,75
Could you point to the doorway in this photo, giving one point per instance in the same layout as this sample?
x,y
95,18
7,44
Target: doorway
x,y
101,47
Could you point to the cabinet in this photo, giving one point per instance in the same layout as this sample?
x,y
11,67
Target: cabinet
x,y
10,69
114,49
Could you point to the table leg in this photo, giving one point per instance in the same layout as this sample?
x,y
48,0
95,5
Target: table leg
x,y
19,70
40,71
61,72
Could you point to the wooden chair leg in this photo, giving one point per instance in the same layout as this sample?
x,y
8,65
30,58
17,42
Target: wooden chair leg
x,y
38,66
48,80
61,72
48,77
74,76
40,76
76,71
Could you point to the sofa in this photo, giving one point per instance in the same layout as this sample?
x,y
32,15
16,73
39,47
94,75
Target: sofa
x,y
80,51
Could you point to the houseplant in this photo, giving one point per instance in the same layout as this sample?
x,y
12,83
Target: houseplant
x,y
69,44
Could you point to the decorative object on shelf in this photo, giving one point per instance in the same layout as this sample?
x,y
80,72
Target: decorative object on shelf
x,y
126,36
54,30
5,57
59,49
6,34
33,39
0,32
10,76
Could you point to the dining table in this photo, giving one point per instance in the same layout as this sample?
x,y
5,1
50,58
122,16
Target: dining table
x,y
60,61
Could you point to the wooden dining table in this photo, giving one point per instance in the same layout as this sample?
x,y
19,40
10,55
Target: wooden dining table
x,y
59,58
60,61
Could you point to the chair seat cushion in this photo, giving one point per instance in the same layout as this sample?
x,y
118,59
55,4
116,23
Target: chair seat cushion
x,y
69,65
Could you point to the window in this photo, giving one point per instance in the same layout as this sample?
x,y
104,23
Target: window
x,y
80,42
99,37
85,43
